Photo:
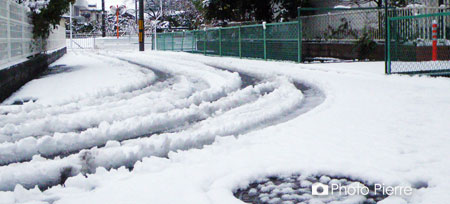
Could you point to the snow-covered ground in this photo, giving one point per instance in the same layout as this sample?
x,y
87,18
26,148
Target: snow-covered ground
x,y
211,134
81,76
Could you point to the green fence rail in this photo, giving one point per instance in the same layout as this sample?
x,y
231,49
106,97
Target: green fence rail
x,y
410,44
345,33
272,41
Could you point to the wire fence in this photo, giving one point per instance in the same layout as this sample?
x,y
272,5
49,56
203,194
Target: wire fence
x,y
16,36
351,24
331,32
419,44
275,41
342,24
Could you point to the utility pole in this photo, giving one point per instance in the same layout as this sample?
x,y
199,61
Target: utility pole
x,y
160,15
386,37
103,19
141,26
71,38
136,11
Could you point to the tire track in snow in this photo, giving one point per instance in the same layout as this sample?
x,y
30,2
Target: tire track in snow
x,y
313,96
162,77
56,181
72,165
15,117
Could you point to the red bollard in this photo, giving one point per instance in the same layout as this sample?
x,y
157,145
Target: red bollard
x,y
435,50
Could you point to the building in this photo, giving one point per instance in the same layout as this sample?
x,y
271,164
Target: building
x,y
77,7
83,12
91,13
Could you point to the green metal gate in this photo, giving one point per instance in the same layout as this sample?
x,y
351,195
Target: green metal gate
x,y
410,44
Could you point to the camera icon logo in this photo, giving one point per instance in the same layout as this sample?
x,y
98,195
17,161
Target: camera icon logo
x,y
319,189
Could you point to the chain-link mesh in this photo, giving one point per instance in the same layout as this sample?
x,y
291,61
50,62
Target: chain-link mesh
x,y
410,32
277,41
213,41
340,24
252,41
200,41
230,41
411,46
283,41
188,42
350,24
343,33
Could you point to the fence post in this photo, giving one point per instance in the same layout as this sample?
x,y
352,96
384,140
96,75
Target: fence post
x,y
8,29
220,41
264,38
388,47
240,45
299,37
205,36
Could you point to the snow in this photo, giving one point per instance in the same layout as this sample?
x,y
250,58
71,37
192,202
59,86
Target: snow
x,y
86,76
370,127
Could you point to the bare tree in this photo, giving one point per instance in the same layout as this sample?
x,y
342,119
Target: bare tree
x,y
178,13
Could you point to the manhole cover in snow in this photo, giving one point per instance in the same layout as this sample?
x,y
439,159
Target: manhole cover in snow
x,y
309,190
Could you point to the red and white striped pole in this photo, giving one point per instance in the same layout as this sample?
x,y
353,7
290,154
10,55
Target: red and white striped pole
x,y
435,50
117,22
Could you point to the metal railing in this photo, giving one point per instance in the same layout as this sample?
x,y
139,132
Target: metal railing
x,y
274,41
81,41
93,41
359,30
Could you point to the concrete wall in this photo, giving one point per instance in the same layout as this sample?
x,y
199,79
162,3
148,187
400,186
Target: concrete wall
x,y
14,77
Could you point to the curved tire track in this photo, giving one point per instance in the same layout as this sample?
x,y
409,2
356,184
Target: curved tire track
x,y
312,98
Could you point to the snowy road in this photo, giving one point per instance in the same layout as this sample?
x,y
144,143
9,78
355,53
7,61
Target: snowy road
x,y
195,129
173,111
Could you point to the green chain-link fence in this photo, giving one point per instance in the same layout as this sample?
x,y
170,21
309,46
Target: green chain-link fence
x,y
342,24
275,41
410,44
344,33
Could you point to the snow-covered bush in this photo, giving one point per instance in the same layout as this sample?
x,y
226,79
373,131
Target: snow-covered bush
x,y
45,15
